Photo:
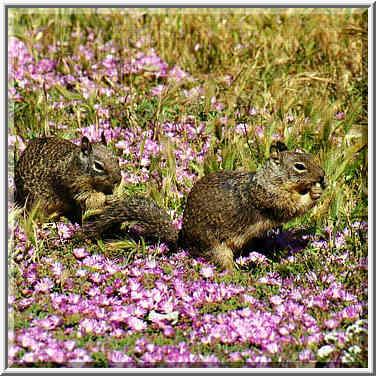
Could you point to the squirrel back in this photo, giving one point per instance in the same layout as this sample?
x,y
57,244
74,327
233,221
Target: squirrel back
x,y
61,177
226,209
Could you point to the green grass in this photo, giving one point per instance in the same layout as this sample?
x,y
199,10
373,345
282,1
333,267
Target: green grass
x,y
308,64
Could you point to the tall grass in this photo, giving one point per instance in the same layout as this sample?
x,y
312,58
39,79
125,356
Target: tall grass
x,y
217,88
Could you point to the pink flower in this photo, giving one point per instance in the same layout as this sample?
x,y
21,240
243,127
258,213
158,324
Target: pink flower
x,y
168,331
289,118
272,347
136,324
57,269
116,356
259,132
283,331
96,277
13,351
276,299
64,231
80,252
331,323
56,355
94,291
235,357
207,271
177,74
44,285
167,306
88,325
69,345
340,115
25,340
249,299
119,314
29,357
306,355
158,90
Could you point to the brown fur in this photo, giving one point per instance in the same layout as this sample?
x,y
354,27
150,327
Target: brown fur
x,y
63,178
226,209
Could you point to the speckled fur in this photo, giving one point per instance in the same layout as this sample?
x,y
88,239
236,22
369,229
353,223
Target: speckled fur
x,y
153,220
60,177
226,209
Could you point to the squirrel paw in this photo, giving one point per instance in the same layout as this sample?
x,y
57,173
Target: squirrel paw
x,y
223,256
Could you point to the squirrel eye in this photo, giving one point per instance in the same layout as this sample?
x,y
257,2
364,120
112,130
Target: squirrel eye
x,y
300,166
98,166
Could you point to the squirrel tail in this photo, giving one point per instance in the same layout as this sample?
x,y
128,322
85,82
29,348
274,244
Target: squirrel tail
x,y
152,220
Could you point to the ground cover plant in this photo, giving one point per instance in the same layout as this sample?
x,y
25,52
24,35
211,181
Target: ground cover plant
x,y
181,93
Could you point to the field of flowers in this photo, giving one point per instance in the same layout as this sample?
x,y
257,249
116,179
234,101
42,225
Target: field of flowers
x,y
178,94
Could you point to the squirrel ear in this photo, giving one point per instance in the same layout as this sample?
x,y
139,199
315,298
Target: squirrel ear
x,y
86,147
276,148
103,139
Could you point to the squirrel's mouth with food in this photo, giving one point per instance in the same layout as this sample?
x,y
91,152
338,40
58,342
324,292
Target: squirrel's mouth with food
x,y
315,189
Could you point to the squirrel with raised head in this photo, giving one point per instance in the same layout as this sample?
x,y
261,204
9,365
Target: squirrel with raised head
x,y
62,178
226,209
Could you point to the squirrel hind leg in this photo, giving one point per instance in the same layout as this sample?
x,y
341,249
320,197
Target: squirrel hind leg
x,y
222,256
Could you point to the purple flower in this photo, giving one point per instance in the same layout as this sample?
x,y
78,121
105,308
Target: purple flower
x,y
289,118
306,355
88,325
136,324
177,74
69,345
276,300
207,272
64,231
235,357
26,341
259,132
96,277
272,347
80,252
331,323
340,115
56,355
117,358
44,285
158,90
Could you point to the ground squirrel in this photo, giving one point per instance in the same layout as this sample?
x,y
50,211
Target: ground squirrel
x,y
226,209
63,178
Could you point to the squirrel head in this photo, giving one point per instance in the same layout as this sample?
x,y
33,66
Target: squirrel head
x,y
297,170
99,162
289,183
